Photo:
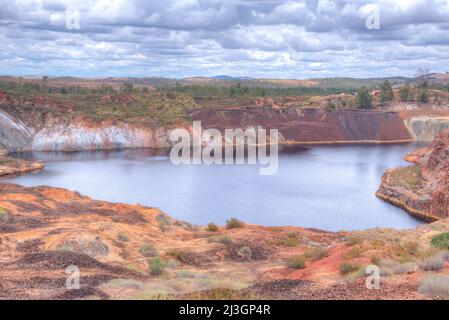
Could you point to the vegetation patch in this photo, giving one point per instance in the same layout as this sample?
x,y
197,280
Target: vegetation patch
x,y
212,227
441,241
234,223
123,237
222,238
289,240
316,254
4,215
435,286
353,240
348,267
156,266
148,250
407,177
296,262
195,259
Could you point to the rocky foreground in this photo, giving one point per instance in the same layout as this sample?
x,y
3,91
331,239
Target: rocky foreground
x,y
131,251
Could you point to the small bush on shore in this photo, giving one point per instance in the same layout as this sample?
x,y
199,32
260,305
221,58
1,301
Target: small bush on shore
x,y
212,227
296,262
148,250
348,267
441,241
234,223
4,215
157,266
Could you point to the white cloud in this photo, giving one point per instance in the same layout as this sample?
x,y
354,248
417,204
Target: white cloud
x,y
179,38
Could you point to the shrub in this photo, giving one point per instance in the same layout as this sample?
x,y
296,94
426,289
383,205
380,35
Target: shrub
x,y
316,253
435,286
353,240
157,266
234,223
441,241
330,105
212,227
296,262
355,252
423,97
122,237
289,240
434,263
148,250
347,267
222,238
404,93
4,215
411,247
179,255
185,274
404,268
245,253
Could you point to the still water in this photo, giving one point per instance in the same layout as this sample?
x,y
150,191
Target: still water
x,y
326,187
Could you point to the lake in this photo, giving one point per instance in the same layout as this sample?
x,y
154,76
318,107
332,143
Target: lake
x,y
325,187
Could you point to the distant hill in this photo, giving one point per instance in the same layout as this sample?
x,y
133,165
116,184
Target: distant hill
x,y
225,77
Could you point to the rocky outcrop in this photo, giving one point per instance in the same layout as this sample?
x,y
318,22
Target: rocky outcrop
x,y
422,189
11,166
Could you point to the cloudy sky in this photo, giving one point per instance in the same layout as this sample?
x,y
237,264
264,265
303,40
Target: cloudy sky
x,y
258,38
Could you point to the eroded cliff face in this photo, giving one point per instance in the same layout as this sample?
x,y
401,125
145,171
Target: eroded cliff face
x,y
312,125
422,189
14,134
426,128
87,135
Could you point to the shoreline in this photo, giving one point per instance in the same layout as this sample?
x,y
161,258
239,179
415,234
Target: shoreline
x,y
425,217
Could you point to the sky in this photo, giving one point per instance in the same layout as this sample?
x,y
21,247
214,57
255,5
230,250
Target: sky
x,y
252,38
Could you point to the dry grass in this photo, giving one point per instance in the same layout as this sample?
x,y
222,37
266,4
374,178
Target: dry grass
x,y
296,262
348,267
407,177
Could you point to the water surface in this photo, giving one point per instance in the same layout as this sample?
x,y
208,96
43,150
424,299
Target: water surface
x,y
325,187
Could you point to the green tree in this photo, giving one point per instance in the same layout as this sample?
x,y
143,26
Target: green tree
x,y
364,99
405,93
386,92
423,96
